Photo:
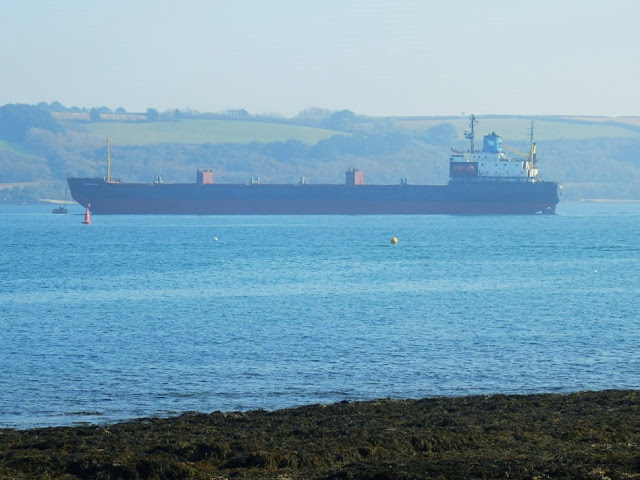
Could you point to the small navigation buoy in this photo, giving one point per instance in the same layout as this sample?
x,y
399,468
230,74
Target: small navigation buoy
x,y
87,215
394,240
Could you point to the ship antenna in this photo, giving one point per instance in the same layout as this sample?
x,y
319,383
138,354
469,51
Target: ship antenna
x,y
469,134
108,160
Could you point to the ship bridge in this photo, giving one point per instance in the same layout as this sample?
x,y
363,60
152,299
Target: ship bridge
x,y
491,163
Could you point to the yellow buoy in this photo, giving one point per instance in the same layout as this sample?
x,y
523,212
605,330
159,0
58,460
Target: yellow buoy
x,y
394,240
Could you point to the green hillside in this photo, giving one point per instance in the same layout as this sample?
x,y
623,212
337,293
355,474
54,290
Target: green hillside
x,y
207,131
516,129
594,157
14,147
513,129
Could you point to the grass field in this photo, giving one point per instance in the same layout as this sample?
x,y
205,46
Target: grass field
x,y
512,129
516,129
207,131
14,147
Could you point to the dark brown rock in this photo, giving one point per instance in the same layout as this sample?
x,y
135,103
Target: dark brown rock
x,y
589,435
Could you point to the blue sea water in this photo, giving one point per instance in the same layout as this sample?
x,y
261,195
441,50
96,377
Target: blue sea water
x,y
137,316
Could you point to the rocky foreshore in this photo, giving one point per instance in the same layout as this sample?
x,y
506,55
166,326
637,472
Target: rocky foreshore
x,y
588,435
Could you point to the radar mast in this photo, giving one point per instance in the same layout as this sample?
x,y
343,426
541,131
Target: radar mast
x,y
469,133
532,147
108,160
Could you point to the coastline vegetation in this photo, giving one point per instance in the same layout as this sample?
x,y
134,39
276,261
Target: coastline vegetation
x,y
587,435
40,145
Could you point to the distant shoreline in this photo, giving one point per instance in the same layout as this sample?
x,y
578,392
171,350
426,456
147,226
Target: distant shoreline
x,y
607,200
51,201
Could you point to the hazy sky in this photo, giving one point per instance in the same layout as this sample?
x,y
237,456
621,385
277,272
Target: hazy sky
x,y
375,57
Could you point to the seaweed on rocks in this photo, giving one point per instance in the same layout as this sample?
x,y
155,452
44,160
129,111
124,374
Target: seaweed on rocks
x,y
589,435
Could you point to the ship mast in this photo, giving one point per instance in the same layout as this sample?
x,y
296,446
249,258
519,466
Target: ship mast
x,y
469,133
532,147
108,160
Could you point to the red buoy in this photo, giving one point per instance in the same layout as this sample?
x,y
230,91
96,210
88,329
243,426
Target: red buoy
x,y
87,215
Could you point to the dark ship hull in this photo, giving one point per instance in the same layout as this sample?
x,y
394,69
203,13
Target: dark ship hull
x,y
457,197
481,182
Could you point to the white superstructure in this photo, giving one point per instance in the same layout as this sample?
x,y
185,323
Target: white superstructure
x,y
492,163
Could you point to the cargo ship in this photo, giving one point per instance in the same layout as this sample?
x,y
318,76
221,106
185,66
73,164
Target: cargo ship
x,y
485,181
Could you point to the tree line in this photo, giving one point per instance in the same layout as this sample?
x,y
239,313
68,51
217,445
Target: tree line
x,y
342,120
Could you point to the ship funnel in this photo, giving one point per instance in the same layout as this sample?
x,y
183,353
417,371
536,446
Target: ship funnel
x,y
354,177
492,143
